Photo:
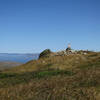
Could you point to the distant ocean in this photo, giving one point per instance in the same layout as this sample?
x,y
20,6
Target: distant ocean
x,y
14,57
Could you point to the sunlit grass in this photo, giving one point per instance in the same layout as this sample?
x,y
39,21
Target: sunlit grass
x,y
73,77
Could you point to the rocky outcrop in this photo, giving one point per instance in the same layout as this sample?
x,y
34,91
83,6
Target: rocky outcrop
x,y
45,53
68,51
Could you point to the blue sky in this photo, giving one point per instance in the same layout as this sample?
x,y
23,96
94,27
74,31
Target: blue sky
x,y
30,26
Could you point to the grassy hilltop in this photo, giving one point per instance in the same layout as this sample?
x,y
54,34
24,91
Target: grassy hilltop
x,y
68,77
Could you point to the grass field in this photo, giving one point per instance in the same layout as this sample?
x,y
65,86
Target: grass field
x,y
72,77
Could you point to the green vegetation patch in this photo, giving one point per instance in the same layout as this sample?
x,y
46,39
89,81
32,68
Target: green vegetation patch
x,y
6,75
7,79
53,73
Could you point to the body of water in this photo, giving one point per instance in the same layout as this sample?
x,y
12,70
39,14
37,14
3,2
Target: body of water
x,y
22,58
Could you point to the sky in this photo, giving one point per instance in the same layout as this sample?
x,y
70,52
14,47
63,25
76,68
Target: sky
x,y
30,26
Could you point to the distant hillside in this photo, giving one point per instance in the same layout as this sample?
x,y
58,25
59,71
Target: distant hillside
x,y
7,65
59,62
15,57
62,77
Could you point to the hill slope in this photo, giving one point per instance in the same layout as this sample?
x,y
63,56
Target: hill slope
x,y
72,77
6,65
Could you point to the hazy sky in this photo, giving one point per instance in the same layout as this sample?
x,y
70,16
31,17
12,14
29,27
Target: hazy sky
x,y
30,26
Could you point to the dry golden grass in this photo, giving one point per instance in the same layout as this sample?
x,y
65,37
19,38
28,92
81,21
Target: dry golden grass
x,y
57,62
73,77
